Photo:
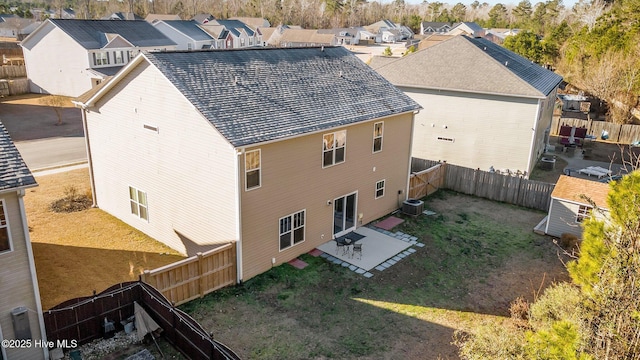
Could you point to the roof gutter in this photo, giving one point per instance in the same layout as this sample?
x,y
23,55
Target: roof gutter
x,y
322,130
469,91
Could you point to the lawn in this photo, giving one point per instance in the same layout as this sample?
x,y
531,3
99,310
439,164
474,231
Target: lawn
x,y
479,256
76,253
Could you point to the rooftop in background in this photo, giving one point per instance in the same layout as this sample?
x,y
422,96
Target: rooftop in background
x,y
473,65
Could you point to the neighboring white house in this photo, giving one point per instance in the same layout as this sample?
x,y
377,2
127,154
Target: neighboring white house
x,y
187,34
467,28
20,307
388,31
277,150
485,106
572,200
69,57
433,27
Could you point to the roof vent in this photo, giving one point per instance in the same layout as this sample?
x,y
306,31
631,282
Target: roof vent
x,y
340,75
235,80
506,63
485,48
322,48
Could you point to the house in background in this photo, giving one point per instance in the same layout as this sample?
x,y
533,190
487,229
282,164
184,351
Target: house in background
x,y
17,28
129,16
242,35
302,37
254,23
20,308
432,27
203,18
467,28
69,57
388,31
152,18
278,150
344,36
187,34
486,107
572,201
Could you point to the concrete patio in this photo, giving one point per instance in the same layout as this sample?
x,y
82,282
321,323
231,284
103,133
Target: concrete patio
x,y
380,250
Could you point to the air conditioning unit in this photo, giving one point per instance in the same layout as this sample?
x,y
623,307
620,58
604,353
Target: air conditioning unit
x,y
413,207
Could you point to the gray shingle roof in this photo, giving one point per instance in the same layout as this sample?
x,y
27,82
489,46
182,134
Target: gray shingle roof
x,y
91,33
234,26
258,95
471,65
190,28
13,171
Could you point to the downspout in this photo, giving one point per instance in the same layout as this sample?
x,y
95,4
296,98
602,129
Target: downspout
x,y
239,217
89,159
546,228
32,270
406,190
533,139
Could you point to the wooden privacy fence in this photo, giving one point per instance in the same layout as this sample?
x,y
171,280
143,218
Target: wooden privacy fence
x,y
505,188
621,134
196,276
426,182
13,71
82,319
14,87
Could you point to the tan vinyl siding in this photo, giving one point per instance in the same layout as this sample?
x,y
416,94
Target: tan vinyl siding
x,y
562,218
57,64
487,130
185,167
16,284
293,179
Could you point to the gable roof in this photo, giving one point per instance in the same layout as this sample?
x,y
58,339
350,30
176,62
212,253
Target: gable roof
x,y
473,65
234,26
259,95
122,16
189,28
304,36
253,22
157,17
573,188
203,18
435,25
92,34
14,173
470,25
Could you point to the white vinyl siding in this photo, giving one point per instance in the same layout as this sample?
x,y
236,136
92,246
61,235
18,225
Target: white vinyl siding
x,y
379,189
334,148
5,234
252,168
188,170
292,229
378,129
474,130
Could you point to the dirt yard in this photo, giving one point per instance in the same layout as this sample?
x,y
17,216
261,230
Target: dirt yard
x,y
76,253
479,256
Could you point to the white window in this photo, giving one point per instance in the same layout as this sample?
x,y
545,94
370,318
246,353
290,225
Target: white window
x,y
189,46
138,200
5,236
101,58
583,213
379,189
118,57
334,146
242,42
292,230
377,136
252,169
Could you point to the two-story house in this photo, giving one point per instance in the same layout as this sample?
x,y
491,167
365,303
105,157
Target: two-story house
x,y
187,34
488,107
241,34
20,307
278,150
69,57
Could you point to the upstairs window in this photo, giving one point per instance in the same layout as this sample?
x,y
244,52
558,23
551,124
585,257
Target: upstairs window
x,y
252,169
118,57
5,238
333,148
138,201
377,136
100,58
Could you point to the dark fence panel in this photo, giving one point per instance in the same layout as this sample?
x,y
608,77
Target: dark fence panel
x,y
82,319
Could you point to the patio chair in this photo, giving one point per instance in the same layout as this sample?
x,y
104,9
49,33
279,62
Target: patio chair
x,y
340,245
357,248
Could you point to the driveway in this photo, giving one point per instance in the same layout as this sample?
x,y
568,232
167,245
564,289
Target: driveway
x,y
41,142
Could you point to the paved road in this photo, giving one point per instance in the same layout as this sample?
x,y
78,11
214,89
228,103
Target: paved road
x,y
52,152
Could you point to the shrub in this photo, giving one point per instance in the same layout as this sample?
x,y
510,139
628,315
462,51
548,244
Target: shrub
x,y
568,241
72,201
519,310
559,302
491,342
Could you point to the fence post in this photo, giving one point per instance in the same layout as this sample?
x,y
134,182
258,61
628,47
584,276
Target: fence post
x,y
201,288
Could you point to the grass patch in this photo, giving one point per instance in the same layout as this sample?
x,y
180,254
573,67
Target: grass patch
x,y
462,279
78,252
